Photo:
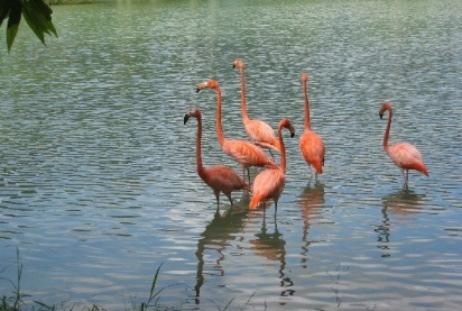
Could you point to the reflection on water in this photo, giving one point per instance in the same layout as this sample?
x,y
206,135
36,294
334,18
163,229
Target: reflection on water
x,y
404,202
311,202
216,235
271,246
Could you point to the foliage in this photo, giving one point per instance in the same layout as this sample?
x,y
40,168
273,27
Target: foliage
x,y
36,13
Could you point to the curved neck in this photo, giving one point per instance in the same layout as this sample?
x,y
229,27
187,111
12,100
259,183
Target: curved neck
x,y
307,124
387,131
200,166
219,128
245,116
282,163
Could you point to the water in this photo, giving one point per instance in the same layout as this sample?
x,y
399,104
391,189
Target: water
x,y
98,184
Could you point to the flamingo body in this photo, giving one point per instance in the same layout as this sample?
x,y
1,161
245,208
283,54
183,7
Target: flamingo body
x,y
260,132
269,183
407,157
246,153
221,178
312,149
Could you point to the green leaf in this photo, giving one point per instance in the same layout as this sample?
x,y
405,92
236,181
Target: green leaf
x,y
38,17
154,282
36,13
14,18
4,10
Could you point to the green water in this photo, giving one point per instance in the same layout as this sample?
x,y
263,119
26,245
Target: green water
x,y
97,172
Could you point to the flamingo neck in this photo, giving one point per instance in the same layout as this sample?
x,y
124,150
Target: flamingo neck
x,y
245,115
387,131
218,126
282,164
200,166
307,124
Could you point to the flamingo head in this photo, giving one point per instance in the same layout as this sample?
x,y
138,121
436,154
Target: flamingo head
x,y
209,84
285,123
238,63
304,77
195,113
385,106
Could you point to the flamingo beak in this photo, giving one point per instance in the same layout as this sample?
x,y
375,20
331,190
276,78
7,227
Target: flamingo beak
x,y
201,86
381,116
292,134
186,118
234,66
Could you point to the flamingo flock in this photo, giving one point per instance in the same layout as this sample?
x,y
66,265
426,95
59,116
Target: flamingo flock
x,y
269,183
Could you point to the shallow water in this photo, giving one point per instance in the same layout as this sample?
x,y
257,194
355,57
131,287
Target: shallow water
x,y
98,184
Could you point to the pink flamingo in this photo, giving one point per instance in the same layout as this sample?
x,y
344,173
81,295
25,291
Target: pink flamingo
x,y
259,131
404,155
269,183
220,178
243,152
311,144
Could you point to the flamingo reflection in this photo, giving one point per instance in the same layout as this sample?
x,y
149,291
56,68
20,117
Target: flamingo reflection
x,y
403,203
216,236
271,246
311,202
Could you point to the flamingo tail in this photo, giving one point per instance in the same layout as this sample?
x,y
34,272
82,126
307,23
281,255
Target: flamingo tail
x,y
254,202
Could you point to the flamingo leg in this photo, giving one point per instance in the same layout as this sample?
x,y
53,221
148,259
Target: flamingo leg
x,y
230,199
275,210
248,174
217,195
406,174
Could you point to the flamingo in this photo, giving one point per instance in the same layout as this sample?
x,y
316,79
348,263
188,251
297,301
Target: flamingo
x,y
220,178
404,155
311,144
269,183
243,152
259,131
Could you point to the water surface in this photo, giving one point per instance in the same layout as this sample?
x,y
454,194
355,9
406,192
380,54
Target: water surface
x,y
97,172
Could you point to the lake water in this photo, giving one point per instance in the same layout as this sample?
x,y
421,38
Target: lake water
x,y
98,186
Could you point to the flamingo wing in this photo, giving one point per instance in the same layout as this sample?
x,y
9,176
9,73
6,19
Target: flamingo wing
x,y
246,153
313,150
267,185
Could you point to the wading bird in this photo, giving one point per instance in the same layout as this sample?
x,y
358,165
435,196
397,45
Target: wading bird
x,y
404,155
269,183
243,152
311,144
260,132
220,178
